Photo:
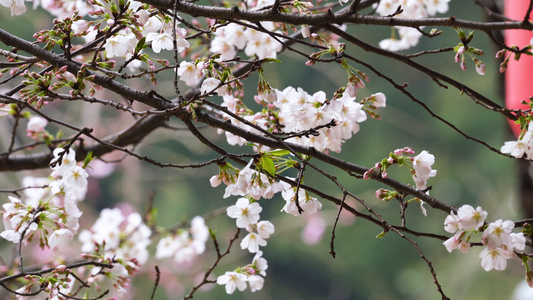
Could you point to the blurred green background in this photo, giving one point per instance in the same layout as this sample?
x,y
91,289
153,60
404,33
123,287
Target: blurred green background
x,y
365,267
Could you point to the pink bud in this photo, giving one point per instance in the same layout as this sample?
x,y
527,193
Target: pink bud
x,y
61,268
351,89
480,68
501,53
306,32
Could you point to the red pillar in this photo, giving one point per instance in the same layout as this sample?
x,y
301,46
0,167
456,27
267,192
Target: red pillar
x,y
519,74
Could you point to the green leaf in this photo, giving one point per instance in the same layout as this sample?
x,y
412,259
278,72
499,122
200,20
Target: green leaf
x,y
140,45
267,164
279,152
88,159
270,59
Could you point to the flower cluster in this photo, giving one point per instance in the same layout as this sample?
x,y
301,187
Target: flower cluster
x,y
50,212
246,215
323,124
157,31
186,244
257,185
251,182
118,237
58,283
498,237
291,194
420,166
246,212
253,274
410,9
233,37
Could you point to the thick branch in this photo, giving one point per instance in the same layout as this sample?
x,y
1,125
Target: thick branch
x,y
340,17
132,135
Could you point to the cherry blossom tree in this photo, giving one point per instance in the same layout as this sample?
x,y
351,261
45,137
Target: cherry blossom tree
x,y
82,96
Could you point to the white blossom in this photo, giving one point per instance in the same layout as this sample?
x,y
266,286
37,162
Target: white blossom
x,y
244,212
232,280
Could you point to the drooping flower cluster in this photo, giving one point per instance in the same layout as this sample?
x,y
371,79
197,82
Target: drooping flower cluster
x,y
119,237
498,237
246,215
253,273
186,244
50,212
410,9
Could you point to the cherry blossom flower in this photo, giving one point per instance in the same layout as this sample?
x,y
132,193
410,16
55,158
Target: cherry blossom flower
x,y
256,282
516,148
232,280
160,41
17,6
210,85
152,25
457,242
422,166
79,26
234,35
244,212
494,258
259,263
265,229
436,6
470,218
187,71
61,237
252,242
521,146
116,46
498,233
451,223
35,125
